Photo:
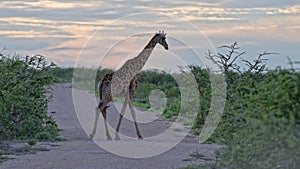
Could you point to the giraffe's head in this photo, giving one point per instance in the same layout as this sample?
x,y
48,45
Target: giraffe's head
x,y
160,38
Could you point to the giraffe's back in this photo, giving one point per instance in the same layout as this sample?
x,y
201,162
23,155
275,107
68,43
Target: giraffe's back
x,y
112,85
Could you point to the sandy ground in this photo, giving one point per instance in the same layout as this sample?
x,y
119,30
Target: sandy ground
x,y
75,118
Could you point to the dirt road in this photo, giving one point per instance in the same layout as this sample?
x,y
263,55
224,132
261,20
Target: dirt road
x,y
79,151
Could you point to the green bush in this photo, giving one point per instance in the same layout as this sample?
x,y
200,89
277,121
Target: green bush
x,y
262,146
24,97
269,136
260,123
171,111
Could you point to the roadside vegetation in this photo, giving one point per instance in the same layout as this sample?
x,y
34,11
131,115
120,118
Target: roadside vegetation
x,y
260,123
23,101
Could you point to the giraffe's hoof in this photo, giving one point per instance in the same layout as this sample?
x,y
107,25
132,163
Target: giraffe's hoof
x,y
109,138
117,137
91,136
139,134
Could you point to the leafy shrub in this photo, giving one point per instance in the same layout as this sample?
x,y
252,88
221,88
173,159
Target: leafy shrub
x,y
260,123
23,98
171,111
204,87
278,96
262,146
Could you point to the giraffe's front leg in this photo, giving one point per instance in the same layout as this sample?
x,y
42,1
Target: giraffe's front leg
x,y
133,114
120,119
95,123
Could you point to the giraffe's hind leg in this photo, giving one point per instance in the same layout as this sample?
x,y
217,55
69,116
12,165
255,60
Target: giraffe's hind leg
x,y
97,110
105,123
102,106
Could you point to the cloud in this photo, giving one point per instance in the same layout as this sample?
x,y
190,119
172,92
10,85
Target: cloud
x,y
200,12
48,4
32,27
21,34
292,10
257,3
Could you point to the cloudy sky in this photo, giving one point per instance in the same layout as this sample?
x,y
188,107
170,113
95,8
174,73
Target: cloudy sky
x,y
106,33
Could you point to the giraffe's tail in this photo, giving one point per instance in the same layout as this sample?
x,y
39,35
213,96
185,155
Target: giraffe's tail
x,y
100,85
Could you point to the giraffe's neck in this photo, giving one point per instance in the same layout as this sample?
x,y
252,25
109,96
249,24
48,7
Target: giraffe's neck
x,y
134,65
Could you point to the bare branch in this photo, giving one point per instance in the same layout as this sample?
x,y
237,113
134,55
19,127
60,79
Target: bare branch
x,y
234,59
228,60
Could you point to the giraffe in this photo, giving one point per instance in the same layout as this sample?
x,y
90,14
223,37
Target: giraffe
x,y
123,82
